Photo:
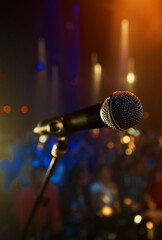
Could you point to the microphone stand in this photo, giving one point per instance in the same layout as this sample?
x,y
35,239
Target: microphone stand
x,y
57,152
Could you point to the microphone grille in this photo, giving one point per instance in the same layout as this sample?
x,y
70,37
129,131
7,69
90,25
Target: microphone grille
x,y
122,110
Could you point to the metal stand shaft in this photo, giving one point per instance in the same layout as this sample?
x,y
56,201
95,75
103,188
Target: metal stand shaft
x,y
58,152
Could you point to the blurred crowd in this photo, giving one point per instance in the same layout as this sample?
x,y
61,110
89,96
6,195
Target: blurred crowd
x,y
107,186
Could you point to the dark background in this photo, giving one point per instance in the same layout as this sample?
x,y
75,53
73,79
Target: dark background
x,y
98,30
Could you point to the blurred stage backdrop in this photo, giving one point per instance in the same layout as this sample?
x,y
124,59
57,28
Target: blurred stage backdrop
x,y
58,56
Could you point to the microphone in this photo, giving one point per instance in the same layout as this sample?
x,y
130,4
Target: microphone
x,y
122,110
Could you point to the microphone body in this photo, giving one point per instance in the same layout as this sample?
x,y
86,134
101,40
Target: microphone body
x,y
121,111
85,119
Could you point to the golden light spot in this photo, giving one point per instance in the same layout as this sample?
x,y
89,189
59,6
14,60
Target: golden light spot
x,y
130,77
149,225
125,140
7,109
128,152
127,201
107,211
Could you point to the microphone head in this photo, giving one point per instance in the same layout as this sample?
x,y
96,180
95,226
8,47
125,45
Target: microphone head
x,y
122,110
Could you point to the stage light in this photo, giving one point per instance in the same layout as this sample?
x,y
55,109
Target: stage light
x,y
35,163
132,146
130,77
125,139
137,133
128,151
95,132
40,67
43,138
97,74
150,231
137,219
124,32
7,109
97,69
132,139
128,201
24,109
149,225
105,198
131,131
107,211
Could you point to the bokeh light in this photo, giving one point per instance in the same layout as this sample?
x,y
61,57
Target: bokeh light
x,y
137,219
110,145
131,146
107,211
130,77
24,109
97,73
7,109
149,225
105,198
40,67
131,131
128,201
125,139
95,132
137,133
43,138
97,69
128,152
124,32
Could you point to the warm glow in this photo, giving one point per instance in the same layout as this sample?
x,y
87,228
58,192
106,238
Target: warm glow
x,y
125,140
127,201
124,32
137,219
105,198
43,138
7,109
107,211
132,138
128,151
96,132
146,115
97,74
97,69
24,109
131,146
110,145
149,225
131,131
130,77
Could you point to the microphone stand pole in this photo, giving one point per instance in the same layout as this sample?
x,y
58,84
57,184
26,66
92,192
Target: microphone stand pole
x,y
57,152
